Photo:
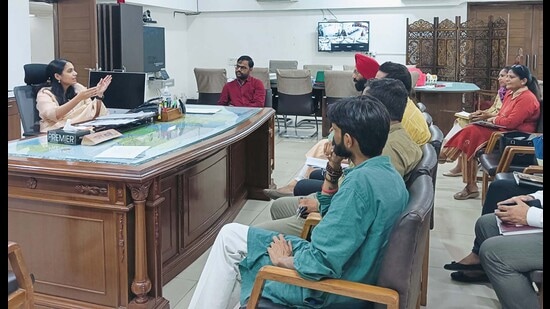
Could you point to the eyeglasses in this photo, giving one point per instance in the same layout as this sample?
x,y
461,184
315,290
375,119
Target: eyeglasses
x,y
240,67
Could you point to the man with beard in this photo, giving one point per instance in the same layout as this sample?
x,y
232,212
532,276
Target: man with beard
x,y
403,152
245,90
348,242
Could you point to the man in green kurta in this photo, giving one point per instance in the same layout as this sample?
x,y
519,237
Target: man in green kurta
x,y
403,152
348,243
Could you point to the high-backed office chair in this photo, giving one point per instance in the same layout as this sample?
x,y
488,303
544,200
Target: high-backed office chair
x,y
20,281
348,67
35,74
282,64
339,84
314,68
421,106
296,99
427,166
263,75
210,83
398,283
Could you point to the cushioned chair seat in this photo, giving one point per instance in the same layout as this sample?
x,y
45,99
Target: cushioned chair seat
x,y
12,282
490,161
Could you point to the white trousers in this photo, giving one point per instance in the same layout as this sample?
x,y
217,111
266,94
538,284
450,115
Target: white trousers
x,y
220,284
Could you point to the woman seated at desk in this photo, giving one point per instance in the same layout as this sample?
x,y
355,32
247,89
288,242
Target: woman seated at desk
x,y
63,98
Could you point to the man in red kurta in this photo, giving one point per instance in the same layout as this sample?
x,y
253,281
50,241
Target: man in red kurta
x,y
245,90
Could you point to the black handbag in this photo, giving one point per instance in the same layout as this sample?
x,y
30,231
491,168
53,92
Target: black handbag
x,y
518,138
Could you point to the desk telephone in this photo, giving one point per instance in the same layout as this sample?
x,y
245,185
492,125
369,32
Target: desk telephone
x,y
151,105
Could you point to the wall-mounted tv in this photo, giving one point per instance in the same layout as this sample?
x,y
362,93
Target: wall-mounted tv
x,y
343,36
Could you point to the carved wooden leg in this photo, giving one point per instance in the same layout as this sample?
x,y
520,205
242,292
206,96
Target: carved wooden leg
x,y
141,285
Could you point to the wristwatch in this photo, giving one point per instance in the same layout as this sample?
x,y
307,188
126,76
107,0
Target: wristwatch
x,y
98,97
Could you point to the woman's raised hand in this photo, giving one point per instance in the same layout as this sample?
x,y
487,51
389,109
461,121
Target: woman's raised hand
x,y
103,84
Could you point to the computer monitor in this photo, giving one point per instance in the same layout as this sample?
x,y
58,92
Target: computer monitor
x,y
126,91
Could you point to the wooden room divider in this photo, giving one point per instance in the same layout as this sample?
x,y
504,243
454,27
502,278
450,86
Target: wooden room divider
x,y
473,51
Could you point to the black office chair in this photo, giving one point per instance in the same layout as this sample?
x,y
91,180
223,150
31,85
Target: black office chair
x,y
35,75
296,99
210,83
263,75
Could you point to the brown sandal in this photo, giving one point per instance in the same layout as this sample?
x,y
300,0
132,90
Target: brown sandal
x,y
465,194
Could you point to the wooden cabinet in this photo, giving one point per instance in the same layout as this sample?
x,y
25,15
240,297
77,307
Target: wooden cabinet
x,y
525,34
14,122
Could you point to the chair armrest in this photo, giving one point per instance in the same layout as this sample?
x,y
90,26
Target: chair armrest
x,y
492,142
508,155
311,221
335,286
24,295
533,169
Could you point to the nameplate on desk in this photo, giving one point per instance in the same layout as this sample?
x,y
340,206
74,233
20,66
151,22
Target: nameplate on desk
x,y
59,136
100,137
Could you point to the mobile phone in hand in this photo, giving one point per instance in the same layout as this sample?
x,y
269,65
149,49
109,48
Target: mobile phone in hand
x,y
532,203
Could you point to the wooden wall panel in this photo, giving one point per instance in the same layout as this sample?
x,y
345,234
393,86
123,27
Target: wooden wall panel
x,y
75,24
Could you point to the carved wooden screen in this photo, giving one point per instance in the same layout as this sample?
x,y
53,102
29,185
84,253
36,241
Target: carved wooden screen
x,y
473,51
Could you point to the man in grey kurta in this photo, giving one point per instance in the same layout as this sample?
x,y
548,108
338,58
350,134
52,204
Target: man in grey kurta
x,y
348,243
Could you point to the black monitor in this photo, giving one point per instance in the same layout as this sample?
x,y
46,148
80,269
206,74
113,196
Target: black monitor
x,y
126,91
153,49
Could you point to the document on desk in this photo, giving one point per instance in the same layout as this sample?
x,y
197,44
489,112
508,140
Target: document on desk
x,y
127,116
116,119
193,110
122,152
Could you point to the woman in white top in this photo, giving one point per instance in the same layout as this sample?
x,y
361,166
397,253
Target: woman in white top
x,y
63,98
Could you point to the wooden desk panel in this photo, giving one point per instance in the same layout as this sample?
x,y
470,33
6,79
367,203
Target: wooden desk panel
x,y
110,236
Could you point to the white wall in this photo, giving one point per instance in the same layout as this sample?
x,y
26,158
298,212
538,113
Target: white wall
x,y
224,30
19,41
215,40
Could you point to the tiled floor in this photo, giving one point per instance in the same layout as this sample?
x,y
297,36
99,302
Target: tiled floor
x,y
451,238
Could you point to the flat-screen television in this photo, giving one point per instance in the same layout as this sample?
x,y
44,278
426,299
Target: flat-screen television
x,y
153,49
335,36
126,91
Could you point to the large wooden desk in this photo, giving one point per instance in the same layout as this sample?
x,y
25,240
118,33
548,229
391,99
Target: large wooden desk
x,y
443,102
109,233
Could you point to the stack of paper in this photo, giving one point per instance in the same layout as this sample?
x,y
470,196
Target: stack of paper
x,y
463,115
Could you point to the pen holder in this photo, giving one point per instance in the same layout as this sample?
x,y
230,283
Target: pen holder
x,y
169,114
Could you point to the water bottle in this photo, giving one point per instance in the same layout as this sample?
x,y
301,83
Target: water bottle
x,y
166,97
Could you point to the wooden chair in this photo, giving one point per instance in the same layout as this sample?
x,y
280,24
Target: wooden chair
x,y
20,288
399,278
492,162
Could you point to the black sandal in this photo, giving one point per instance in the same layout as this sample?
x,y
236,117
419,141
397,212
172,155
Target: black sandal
x,y
478,277
458,266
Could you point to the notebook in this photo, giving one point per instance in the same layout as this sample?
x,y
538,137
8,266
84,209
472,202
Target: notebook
x,y
488,124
